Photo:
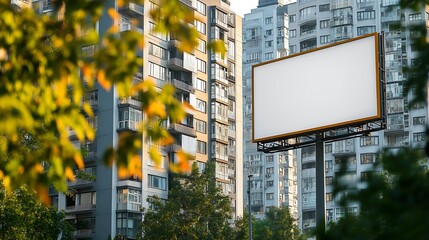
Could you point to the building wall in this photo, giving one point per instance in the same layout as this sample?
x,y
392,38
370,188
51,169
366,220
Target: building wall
x,y
274,181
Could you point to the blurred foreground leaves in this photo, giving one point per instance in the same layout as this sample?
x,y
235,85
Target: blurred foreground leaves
x,y
44,74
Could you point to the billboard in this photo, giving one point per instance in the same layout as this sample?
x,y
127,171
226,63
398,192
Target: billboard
x,y
324,88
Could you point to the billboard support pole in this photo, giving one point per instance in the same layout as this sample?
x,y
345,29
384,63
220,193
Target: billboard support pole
x,y
320,180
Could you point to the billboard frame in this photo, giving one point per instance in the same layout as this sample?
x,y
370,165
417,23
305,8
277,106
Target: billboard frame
x,y
336,131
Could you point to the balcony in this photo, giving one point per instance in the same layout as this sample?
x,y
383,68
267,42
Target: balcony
x,y
80,208
181,85
128,125
190,3
21,3
126,26
222,138
47,6
83,233
89,51
219,23
182,129
129,206
220,118
220,156
129,101
186,62
132,10
349,167
81,183
343,148
220,98
232,152
341,20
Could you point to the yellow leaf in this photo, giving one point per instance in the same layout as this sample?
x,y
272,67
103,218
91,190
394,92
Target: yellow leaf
x,y
69,174
120,3
135,166
114,14
154,155
43,195
122,172
101,77
38,167
155,108
183,162
79,161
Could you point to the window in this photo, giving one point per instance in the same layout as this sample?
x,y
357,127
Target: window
x,y
329,180
269,170
307,12
200,26
202,46
231,49
201,8
270,183
270,196
200,85
129,199
201,105
364,176
292,33
201,65
368,158
129,118
328,197
419,137
365,30
292,49
269,20
127,223
419,120
200,126
324,39
201,147
269,32
328,148
292,18
157,51
308,165
268,43
157,71
155,33
364,15
269,158
415,17
324,24
328,166
157,182
324,7
369,141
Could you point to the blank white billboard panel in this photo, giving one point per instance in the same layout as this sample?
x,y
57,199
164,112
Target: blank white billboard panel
x,y
324,88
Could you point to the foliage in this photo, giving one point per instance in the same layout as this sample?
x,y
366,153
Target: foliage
x,y
277,224
22,216
43,78
393,206
195,209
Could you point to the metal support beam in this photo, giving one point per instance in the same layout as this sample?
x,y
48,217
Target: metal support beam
x,y
320,180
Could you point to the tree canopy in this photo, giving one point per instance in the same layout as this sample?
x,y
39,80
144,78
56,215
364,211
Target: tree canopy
x,y
195,209
22,216
44,75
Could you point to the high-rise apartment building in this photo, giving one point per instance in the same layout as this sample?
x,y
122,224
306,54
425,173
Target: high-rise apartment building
x,y
210,82
274,180
312,24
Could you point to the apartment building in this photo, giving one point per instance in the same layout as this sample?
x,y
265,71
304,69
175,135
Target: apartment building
x,y
107,205
315,23
274,180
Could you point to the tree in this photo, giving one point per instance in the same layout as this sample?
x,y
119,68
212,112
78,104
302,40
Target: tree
x,y
195,209
277,224
43,78
22,216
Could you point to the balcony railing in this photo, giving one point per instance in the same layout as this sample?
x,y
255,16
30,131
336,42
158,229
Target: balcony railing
x,y
132,9
128,124
183,129
220,117
129,206
80,208
187,87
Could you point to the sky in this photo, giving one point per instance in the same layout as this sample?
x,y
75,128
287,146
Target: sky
x,y
242,7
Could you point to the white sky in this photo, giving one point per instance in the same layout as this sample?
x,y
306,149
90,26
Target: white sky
x,y
242,7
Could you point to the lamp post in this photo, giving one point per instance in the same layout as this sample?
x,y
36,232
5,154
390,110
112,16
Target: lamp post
x,y
248,201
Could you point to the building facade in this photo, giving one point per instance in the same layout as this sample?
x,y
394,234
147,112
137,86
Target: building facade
x,y
211,83
315,23
274,180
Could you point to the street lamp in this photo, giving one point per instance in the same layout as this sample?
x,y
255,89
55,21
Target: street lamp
x,y
248,201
